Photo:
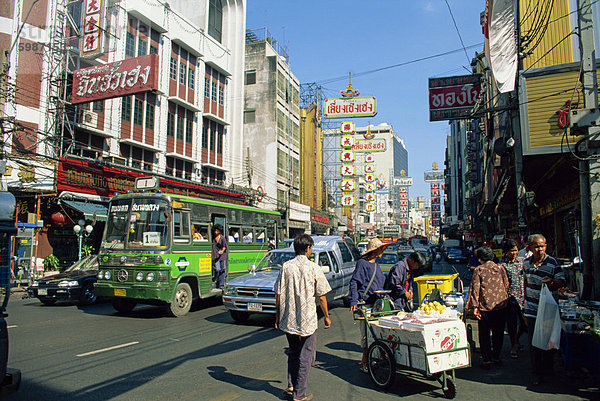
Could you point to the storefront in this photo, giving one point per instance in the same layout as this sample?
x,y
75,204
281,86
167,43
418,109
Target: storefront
x,y
320,223
298,219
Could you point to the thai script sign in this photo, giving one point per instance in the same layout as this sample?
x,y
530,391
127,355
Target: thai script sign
x,y
350,107
434,175
320,219
370,145
453,98
403,181
93,25
121,78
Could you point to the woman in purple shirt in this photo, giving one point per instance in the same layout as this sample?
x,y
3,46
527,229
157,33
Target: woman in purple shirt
x,y
219,257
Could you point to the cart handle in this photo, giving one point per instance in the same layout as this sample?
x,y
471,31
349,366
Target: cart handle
x,y
434,282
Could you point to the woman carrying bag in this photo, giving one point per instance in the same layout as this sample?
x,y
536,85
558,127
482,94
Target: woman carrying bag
x,y
488,297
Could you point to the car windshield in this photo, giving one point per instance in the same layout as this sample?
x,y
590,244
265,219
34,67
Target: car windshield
x,y
387,259
137,223
275,260
89,263
404,254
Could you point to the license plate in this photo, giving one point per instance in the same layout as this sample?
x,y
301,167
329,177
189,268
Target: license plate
x,y
120,292
42,291
255,306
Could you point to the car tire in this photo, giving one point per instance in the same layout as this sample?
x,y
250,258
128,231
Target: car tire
x,y
182,300
88,294
239,317
123,305
48,302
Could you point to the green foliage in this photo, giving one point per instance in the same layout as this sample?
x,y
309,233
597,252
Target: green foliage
x,y
51,263
87,250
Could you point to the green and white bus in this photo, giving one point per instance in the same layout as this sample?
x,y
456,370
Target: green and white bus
x,y
156,247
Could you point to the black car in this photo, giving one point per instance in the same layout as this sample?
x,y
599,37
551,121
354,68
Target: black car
x,y
456,255
74,284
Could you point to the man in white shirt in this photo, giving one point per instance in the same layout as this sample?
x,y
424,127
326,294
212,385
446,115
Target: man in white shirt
x,y
300,280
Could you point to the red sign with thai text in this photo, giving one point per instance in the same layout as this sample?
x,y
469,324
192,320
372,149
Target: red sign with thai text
x,y
121,78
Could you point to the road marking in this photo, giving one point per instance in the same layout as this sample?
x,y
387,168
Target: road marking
x,y
174,339
12,326
109,348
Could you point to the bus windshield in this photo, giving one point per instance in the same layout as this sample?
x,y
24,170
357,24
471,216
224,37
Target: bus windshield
x,y
137,224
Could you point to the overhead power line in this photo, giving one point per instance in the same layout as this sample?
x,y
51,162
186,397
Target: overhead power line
x,y
458,32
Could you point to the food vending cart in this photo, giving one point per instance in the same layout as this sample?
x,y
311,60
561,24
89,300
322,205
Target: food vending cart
x,y
434,346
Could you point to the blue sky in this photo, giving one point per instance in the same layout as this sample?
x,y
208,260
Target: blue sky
x,y
326,39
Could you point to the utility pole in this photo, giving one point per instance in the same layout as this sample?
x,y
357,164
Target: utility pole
x,y
588,120
249,168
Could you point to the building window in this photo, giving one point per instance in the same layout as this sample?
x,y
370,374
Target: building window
x,y
220,139
153,49
130,45
207,87
191,78
205,133
180,122
249,116
150,115
170,166
182,70
142,47
215,19
98,106
221,95
173,69
213,134
250,77
189,127
170,124
138,112
213,90
126,108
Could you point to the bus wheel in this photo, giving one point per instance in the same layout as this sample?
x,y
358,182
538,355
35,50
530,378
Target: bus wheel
x,y
182,301
239,317
123,305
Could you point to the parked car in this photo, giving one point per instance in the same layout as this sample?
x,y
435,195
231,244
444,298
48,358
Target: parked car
x,y
456,255
254,292
387,260
74,284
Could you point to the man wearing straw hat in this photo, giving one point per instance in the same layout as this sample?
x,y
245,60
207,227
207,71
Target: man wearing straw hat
x,y
366,280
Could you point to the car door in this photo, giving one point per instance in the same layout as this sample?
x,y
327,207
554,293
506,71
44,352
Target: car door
x,y
333,276
348,262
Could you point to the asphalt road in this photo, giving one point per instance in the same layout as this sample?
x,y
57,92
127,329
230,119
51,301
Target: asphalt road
x,y
67,352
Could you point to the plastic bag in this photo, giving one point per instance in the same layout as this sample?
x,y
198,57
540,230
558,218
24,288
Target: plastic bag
x,y
546,334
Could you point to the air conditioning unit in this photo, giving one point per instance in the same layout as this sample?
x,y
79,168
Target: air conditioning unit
x,y
116,160
89,118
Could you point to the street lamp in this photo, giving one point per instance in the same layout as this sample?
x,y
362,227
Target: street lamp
x,y
82,233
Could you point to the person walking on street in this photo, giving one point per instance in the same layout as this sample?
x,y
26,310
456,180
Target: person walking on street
x,y
300,281
219,257
488,297
540,269
400,280
366,280
515,321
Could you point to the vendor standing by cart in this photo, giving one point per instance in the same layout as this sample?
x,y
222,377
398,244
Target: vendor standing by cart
x,y
400,280
366,280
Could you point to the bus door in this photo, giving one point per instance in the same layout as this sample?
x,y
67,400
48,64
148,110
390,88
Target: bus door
x,y
272,239
220,220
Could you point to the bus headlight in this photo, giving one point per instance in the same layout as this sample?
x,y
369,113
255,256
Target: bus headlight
x,y
150,277
139,276
107,275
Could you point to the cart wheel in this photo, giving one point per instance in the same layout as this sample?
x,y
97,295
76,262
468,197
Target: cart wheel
x,y
450,390
382,365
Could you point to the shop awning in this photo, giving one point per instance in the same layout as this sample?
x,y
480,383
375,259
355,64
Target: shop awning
x,y
88,209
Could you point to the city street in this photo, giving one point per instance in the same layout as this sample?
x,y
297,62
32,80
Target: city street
x,y
92,353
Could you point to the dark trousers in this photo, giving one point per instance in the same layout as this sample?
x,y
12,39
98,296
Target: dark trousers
x,y
301,355
491,322
542,361
515,321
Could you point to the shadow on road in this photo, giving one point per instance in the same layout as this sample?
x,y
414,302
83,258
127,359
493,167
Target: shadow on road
x,y
247,383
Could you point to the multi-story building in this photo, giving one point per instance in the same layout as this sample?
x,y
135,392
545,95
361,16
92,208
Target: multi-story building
x,y
272,127
99,96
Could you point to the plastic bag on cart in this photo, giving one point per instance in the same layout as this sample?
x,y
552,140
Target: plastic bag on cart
x,y
546,334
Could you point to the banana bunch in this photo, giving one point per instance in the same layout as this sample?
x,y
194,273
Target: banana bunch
x,y
428,307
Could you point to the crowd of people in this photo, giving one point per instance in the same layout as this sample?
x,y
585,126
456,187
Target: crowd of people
x,y
503,294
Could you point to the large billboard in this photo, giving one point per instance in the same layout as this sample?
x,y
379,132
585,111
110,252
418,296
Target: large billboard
x,y
434,175
453,98
120,78
350,107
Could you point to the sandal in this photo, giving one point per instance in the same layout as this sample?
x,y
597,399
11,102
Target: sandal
x,y
364,369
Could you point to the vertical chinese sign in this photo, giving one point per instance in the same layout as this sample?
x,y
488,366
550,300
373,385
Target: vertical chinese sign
x,y
403,183
93,23
347,157
435,177
370,182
